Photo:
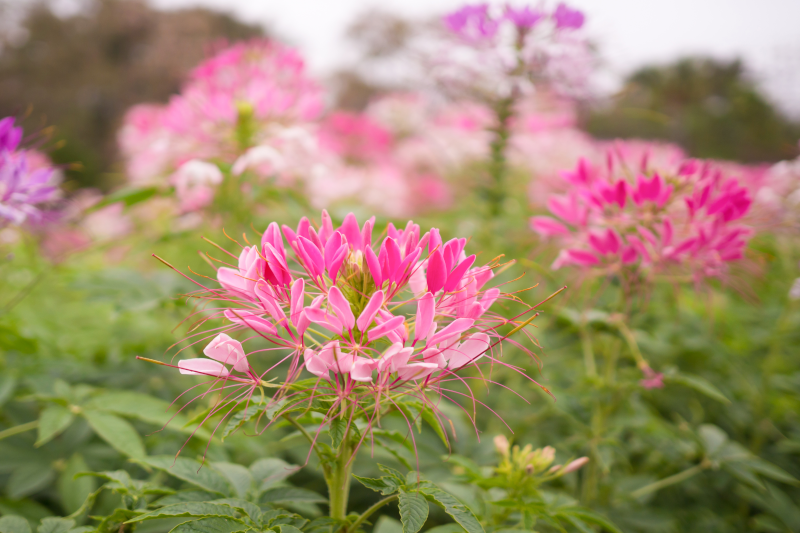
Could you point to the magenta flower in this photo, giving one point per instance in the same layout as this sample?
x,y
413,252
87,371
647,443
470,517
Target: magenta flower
x,y
472,23
568,18
634,218
25,182
524,17
370,321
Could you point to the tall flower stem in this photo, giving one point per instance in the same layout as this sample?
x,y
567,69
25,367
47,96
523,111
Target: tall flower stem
x,y
339,481
671,480
498,165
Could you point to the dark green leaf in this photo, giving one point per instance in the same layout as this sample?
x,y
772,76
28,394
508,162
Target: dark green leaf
x,y
430,418
385,485
457,510
238,477
250,509
413,511
14,524
199,509
337,428
393,473
288,528
185,496
323,524
8,384
592,518
29,479
191,471
116,432
53,420
211,525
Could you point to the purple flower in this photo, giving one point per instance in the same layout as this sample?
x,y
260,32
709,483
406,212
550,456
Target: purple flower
x,y
9,135
523,18
472,22
568,18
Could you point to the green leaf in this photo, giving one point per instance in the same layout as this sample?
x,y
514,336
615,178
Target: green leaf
x,y
128,195
393,473
53,420
411,411
8,385
14,524
712,437
142,407
337,428
191,471
185,496
457,510
55,525
386,524
74,491
116,432
238,477
211,525
699,384
250,509
430,418
241,417
288,528
765,468
413,511
29,479
283,495
199,509
266,472
385,485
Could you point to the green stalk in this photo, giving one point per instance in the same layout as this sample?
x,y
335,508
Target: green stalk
x,y
671,480
498,166
16,430
339,482
369,512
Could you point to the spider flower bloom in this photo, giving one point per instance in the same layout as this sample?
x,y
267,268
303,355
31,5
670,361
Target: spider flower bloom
x,y
369,320
628,216
26,181
248,97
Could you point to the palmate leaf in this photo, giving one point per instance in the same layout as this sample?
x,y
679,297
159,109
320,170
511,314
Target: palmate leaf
x,y
211,525
457,510
238,476
198,509
268,471
14,524
116,432
413,511
191,471
55,525
250,509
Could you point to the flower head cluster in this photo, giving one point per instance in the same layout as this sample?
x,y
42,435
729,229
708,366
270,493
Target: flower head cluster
x,y
499,51
629,215
371,321
250,106
26,178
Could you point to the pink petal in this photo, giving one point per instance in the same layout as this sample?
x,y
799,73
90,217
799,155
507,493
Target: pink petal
x,y
455,328
362,369
202,367
469,351
225,350
437,273
417,371
457,274
341,307
425,312
250,320
369,312
548,227
390,325
298,297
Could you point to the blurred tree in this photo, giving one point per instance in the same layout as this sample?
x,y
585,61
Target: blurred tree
x,y
709,107
80,73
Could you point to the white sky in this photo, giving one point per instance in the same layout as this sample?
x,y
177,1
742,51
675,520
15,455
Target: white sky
x,y
766,33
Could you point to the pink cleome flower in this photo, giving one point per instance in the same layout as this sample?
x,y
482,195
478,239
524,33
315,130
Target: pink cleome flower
x,y
630,215
370,322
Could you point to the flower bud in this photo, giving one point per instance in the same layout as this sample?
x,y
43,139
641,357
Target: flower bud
x,y
575,465
501,445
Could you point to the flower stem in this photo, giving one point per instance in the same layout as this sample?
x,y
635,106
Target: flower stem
x,y
339,482
588,352
369,512
671,480
498,166
16,430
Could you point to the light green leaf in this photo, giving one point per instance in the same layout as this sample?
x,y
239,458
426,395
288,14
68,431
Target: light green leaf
x,y
336,430
199,509
191,471
591,518
712,437
55,525
74,491
250,509
211,525
14,524
266,472
699,384
116,432
413,511
283,495
387,524
53,420
288,528
430,418
29,478
765,468
238,477
185,496
142,407
8,384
